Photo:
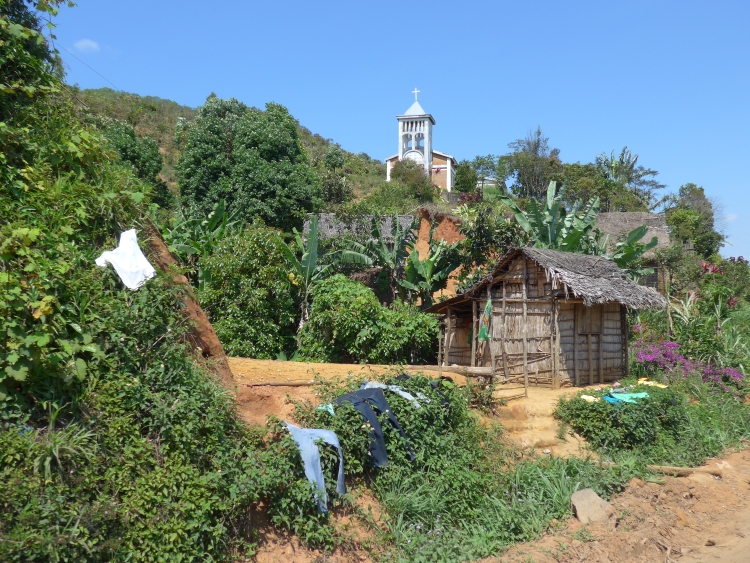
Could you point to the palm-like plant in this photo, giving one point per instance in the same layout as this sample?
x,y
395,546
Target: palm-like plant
x,y
391,257
308,270
555,228
195,239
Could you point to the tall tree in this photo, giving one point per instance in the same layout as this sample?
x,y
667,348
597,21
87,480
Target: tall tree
x,y
625,170
485,168
466,177
691,219
530,164
253,159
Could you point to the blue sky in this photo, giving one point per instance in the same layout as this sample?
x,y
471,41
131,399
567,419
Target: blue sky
x,y
668,79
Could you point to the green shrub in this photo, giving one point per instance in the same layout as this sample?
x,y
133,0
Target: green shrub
x,y
465,496
348,324
681,425
250,300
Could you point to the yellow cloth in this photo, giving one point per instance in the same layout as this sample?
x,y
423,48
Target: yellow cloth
x,y
647,381
590,399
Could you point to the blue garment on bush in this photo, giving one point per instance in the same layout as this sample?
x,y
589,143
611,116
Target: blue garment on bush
x,y
398,390
308,449
364,401
625,398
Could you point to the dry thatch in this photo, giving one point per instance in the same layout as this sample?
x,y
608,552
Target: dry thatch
x,y
618,224
329,225
594,279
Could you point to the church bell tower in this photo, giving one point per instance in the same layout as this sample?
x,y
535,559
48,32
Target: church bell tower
x,y
415,135
415,144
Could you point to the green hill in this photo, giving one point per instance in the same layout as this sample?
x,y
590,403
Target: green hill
x,y
157,118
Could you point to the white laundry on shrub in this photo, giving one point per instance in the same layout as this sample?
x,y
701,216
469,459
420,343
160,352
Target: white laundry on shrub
x,y
128,261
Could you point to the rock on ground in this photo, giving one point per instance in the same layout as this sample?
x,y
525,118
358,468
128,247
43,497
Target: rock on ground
x,y
590,507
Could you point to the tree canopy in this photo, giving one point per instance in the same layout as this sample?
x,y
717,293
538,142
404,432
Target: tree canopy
x,y
253,159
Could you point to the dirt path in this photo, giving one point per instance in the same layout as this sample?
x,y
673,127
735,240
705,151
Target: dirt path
x,y
690,519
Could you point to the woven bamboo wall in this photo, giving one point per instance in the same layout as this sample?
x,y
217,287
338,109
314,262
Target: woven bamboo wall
x,y
595,349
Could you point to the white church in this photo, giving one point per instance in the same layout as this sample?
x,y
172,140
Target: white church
x,y
415,143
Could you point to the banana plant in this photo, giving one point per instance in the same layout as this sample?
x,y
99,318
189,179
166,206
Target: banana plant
x,y
423,277
627,252
392,257
195,239
552,226
308,270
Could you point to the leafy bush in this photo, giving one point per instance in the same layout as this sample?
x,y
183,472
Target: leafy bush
x,y
250,298
681,425
465,496
253,159
347,324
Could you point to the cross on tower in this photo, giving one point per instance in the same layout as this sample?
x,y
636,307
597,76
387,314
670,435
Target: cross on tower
x,y
415,92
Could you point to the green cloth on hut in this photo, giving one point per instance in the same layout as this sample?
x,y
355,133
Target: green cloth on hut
x,y
484,323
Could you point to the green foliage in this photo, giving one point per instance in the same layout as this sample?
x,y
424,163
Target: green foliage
x,y
141,153
691,219
489,235
465,496
682,425
335,188
425,276
585,182
416,178
348,324
392,197
253,159
251,298
530,165
309,270
334,157
391,256
194,240
554,227
151,116
625,171
466,177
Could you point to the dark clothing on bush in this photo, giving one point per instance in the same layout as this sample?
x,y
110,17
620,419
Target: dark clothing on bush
x,y
364,401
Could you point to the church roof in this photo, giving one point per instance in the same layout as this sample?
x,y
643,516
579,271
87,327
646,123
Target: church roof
x,y
415,109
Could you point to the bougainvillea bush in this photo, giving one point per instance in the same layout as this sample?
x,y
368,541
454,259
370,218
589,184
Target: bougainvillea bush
x,y
664,360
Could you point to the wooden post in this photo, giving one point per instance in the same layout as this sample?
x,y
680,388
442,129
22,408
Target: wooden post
x,y
575,345
525,343
440,349
474,329
555,344
447,346
601,354
502,341
624,336
591,362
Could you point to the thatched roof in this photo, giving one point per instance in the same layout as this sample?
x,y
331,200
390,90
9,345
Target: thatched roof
x,y
594,279
329,225
619,224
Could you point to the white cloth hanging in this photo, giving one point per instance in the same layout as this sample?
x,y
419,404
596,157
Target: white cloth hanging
x,y
128,261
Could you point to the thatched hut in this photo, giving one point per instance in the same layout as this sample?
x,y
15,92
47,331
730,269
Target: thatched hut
x,y
557,319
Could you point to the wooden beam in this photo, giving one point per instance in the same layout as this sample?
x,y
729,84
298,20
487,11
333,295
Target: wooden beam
x,y
525,328
503,336
591,362
555,345
474,329
447,345
624,337
601,355
575,345
440,349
